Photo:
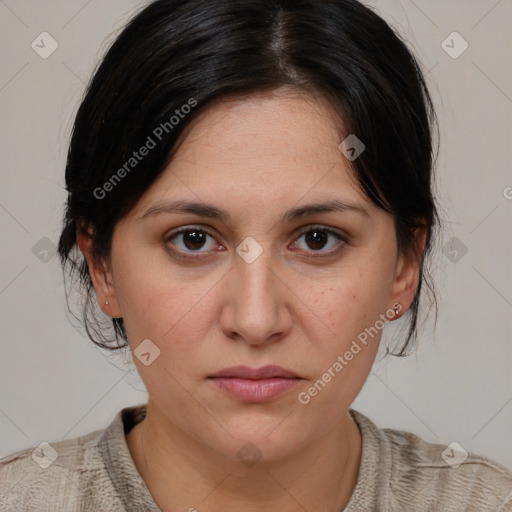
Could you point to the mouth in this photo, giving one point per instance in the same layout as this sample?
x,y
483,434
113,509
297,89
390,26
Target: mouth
x,y
255,384
265,372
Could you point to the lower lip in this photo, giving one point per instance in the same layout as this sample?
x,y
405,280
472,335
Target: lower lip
x,y
249,390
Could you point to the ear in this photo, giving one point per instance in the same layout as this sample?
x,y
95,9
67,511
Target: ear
x,y
101,275
407,274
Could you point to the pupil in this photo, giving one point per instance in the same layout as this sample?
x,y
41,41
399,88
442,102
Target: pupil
x,y
195,239
192,238
316,237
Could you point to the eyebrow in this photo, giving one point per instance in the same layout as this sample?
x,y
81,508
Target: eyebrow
x,y
202,209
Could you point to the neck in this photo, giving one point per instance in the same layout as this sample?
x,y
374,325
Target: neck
x,y
183,474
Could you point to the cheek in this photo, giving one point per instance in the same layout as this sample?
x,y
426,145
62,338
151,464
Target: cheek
x,y
176,320
153,296
351,307
165,310
353,300
174,312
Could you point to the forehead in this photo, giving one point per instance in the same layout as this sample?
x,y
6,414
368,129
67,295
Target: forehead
x,y
274,148
265,129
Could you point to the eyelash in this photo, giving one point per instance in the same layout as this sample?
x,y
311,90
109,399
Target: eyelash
x,y
343,240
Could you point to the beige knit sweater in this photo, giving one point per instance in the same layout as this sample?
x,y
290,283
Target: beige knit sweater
x,y
399,472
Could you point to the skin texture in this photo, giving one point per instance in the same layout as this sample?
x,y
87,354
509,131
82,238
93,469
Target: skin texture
x,y
293,306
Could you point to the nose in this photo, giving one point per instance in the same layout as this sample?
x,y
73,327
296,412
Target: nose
x,y
256,301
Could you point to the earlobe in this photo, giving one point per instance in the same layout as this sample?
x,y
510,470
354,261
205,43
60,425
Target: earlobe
x,y
100,275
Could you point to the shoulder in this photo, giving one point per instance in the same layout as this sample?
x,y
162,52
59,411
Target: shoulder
x,y
53,476
416,474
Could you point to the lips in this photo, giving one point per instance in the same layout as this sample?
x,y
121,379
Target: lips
x,y
265,372
255,385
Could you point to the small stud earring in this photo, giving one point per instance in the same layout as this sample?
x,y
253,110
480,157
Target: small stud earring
x,y
106,302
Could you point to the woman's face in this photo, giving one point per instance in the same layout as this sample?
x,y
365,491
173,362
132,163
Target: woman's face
x,y
249,287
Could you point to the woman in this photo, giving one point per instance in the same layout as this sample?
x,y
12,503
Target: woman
x,y
250,191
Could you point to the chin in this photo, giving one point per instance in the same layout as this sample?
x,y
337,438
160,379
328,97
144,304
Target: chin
x,y
267,440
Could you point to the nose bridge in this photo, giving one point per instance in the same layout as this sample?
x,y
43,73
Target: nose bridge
x,y
255,299
253,270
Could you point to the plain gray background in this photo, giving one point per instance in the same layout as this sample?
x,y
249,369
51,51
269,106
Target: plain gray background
x,y
55,384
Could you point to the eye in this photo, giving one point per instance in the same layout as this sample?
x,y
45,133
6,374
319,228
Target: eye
x,y
190,240
317,238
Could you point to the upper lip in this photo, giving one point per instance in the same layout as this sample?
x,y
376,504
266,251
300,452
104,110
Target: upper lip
x,y
265,372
